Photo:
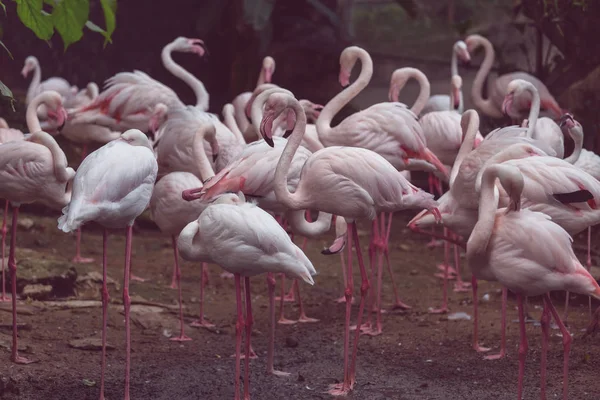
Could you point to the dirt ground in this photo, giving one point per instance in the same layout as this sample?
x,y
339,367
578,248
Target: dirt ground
x,y
418,356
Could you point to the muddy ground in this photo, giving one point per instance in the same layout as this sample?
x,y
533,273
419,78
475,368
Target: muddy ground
x,y
419,355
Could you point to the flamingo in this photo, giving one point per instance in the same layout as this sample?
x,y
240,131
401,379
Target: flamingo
x,y
530,255
36,86
246,241
130,98
492,106
112,187
365,180
32,170
171,213
443,102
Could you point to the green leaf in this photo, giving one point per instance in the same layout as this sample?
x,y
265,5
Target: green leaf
x,y
3,7
7,50
110,9
5,92
69,18
30,13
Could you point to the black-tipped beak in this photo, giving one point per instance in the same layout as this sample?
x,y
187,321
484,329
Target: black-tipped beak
x,y
215,156
287,134
566,117
269,141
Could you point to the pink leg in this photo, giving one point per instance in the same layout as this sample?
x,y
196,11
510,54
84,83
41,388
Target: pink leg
x,y
364,289
460,285
282,318
127,306
344,388
386,251
182,336
522,346
105,299
545,325
343,264
378,238
78,259
303,317
371,304
202,322
238,336
567,339
249,322
444,308
3,297
271,349
589,263
253,354
173,284
502,352
566,313
432,242
478,348
12,265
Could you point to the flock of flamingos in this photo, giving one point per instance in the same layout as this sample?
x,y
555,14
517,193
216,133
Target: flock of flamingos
x,y
230,192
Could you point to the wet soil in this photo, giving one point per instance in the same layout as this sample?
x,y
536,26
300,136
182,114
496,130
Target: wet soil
x,y
418,356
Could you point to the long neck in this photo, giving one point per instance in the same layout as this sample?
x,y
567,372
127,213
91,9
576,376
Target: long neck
x,y
487,105
193,82
31,117
454,63
204,169
307,229
488,205
467,144
534,110
61,171
262,78
292,201
576,134
185,243
345,96
35,82
230,122
424,90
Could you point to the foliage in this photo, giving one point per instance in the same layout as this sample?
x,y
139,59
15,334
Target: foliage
x,y
67,17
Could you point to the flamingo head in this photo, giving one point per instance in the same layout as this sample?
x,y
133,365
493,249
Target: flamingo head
x,y
514,90
186,45
135,137
311,109
399,79
56,111
347,61
567,121
473,42
462,52
275,105
456,86
268,67
30,63
159,115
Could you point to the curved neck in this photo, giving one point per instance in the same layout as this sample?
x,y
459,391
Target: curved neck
x,y
334,105
292,201
486,106
534,110
35,82
193,82
314,229
468,141
185,242
62,173
204,169
31,117
488,205
424,90
230,122
454,63
576,134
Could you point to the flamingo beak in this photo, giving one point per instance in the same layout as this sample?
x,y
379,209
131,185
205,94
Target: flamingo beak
x,y
413,222
317,108
25,71
266,129
344,78
567,120
198,47
191,194
455,98
393,93
428,156
268,75
506,104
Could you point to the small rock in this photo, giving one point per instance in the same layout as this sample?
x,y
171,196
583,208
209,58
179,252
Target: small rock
x,y
37,291
414,272
485,297
457,316
25,223
291,342
404,247
89,344
89,382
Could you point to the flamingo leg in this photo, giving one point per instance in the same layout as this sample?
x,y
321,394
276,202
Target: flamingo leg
x,y
432,242
202,322
502,352
522,346
567,339
444,308
342,299
364,290
12,265
238,335
372,250
249,322
271,349
478,348
282,319
344,388
398,303
460,285
545,325
4,231
105,299
589,263
566,313
182,336
127,306
173,284
303,317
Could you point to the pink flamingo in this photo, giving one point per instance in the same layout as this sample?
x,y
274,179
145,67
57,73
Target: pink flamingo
x,y
366,181
246,241
112,187
36,86
32,170
443,102
530,255
171,213
492,106
129,98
